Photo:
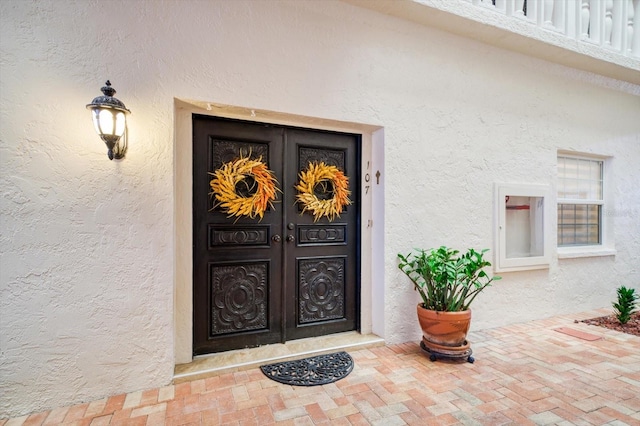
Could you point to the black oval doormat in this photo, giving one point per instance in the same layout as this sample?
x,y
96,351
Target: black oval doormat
x,y
317,370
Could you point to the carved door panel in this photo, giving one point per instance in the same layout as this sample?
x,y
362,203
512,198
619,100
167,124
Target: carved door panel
x,y
322,267
260,281
237,261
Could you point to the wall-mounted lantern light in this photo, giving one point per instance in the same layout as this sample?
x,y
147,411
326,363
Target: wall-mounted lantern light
x,y
109,119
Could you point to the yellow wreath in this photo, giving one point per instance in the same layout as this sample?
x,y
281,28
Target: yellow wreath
x,y
225,179
319,173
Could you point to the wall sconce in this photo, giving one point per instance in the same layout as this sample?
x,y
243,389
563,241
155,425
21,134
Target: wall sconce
x,y
110,121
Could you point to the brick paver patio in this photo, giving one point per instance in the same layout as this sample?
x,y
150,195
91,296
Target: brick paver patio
x,y
524,374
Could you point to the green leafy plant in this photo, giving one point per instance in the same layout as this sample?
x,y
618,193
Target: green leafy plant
x,y
445,279
626,304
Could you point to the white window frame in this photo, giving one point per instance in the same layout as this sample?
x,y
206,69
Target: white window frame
x,y
503,263
606,246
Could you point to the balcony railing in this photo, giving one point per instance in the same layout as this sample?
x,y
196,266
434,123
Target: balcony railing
x,y
597,36
611,24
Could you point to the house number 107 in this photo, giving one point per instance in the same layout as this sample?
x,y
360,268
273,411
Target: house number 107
x,y
367,179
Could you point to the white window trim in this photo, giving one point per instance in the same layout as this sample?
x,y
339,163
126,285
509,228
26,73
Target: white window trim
x,y
584,251
501,262
607,244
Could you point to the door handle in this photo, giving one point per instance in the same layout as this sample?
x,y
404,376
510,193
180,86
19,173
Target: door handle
x,y
276,238
290,238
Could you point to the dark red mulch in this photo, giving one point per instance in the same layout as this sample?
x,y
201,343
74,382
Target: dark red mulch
x,y
611,322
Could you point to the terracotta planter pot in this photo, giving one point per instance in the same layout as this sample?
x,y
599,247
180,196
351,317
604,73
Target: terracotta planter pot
x,y
444,328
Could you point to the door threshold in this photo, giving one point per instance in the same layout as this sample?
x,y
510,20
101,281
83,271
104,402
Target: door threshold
x,y
243,359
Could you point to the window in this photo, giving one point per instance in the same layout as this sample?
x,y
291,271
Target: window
x,y
522,227
580,201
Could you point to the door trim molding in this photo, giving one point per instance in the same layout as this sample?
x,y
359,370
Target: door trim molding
x,y
372,211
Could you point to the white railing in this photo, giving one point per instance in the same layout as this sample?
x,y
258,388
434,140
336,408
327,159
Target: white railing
x,y
612,24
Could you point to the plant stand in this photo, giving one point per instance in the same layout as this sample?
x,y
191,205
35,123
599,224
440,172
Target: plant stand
x,y
438,351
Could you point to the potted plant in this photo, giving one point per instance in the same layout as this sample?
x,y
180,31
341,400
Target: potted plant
x,y
448,282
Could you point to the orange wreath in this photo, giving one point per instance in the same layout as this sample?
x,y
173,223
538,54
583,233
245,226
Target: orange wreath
x,y
224,186
321,174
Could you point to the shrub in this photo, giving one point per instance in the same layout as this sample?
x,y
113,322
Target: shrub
x,y
626,304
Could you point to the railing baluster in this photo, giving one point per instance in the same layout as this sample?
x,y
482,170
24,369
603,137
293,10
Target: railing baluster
x,y
558,18
519,8
619,25
585,19
547,13
633,16
608,21
532,12
571,19
508,7
625,40
594,21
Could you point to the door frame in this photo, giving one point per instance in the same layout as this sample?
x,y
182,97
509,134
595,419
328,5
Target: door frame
x,y
372,211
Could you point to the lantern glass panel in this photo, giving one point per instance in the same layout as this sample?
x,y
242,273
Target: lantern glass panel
x,y
120,123
105,117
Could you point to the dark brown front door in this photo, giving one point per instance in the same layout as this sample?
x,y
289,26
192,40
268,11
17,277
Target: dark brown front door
x,y
285,276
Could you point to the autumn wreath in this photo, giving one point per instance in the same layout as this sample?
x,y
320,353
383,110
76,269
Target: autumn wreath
x,y
328,179
244,187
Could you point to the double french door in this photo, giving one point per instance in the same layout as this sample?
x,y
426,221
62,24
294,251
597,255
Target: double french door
x,y
290,273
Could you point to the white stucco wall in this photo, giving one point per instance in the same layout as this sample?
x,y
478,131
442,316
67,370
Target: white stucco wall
x,y
87,261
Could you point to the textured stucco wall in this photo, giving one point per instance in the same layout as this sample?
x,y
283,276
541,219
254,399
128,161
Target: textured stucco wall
x,y
86,307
